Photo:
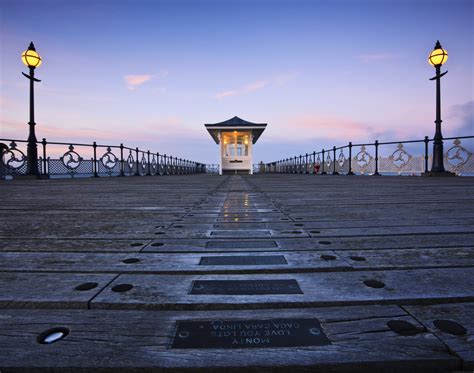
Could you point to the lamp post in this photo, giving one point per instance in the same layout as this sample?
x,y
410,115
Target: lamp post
x,y
437,58
32,60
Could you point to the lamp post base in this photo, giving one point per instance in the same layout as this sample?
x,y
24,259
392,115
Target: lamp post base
x,y
438,174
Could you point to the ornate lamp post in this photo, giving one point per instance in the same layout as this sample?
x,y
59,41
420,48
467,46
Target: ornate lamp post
x,y
32,60
437,58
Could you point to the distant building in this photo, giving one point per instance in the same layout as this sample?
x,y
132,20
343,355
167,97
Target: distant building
x,y
236,137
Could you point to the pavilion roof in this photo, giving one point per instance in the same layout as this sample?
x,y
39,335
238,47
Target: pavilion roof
x,y
235,123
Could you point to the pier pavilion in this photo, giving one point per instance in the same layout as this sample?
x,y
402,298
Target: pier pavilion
x,y
236,137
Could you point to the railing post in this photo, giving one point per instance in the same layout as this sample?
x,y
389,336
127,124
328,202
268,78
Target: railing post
x,y
158,163
314,163
149,165
94,168
137,162
306,165
323,163
426,153
376,173
122,173
334,172
45,172
350,159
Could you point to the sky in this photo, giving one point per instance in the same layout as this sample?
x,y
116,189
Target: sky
x,y
151,73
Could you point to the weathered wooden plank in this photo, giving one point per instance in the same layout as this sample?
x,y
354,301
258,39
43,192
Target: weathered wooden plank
x,y
52,290
360,339
165,263
240,222
66,245
404,258
459,341
164,244
319,289
194,263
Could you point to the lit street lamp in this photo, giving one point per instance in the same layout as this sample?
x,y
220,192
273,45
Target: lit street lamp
x,y
32,60
437,58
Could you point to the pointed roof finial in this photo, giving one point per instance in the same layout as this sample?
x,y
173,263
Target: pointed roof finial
x,y
438,45
31,47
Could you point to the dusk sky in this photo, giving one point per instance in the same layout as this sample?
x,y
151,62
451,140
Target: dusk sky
x,y
320,73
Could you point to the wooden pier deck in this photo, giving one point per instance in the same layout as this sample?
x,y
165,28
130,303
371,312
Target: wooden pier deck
x,y
228,273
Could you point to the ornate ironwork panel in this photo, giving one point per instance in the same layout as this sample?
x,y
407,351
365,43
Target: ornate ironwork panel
x,y
363,162
328,163
153,165
13,161
458,159
130,165
342,165
109,163
71,160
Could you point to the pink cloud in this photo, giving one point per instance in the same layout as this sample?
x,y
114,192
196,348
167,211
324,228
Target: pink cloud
x,y
323,127
225,94
278,80
252,87
134,81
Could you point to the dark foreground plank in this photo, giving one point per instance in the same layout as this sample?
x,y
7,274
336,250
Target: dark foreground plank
x,y
50,290
360,338
319,289
459,341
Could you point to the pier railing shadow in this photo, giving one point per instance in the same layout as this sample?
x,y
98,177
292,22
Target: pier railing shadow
x,y
60,159
411,157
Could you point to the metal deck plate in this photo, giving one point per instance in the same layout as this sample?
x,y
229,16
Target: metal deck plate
x,y
246,287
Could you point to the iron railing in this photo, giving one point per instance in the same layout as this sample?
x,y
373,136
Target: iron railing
x,y
102,160
377,158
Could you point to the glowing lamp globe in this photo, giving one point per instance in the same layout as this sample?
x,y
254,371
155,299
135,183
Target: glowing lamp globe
x,y
438,56
30,57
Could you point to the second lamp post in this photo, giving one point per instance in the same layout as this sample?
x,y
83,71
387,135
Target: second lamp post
x,y
437,58
32,60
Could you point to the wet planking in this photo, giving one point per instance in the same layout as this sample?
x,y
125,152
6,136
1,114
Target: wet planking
x,y
248,260
245,287
249,333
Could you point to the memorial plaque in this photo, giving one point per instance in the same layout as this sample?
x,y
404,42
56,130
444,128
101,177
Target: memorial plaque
x,y
249,260
249,333
245,287
244,233
241,244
